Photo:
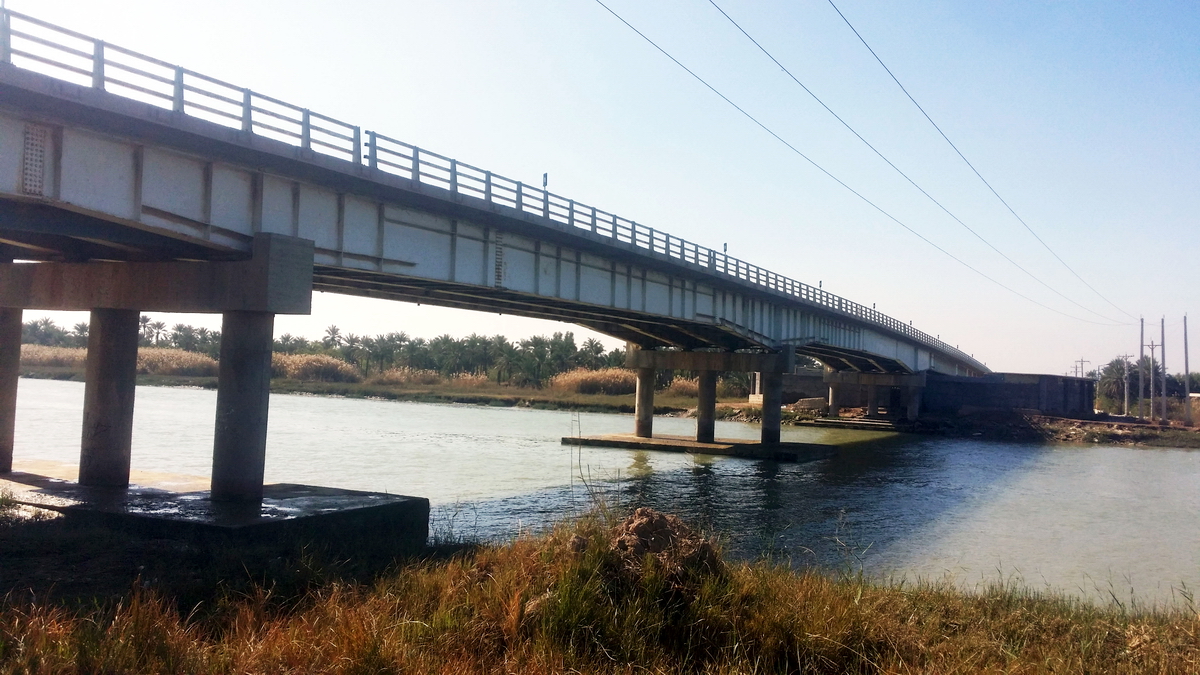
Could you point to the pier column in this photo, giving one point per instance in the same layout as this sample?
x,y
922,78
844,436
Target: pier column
x,y
872,401
706,408
643,411
772,415
835,407
108,392
243,390
10,370
913,405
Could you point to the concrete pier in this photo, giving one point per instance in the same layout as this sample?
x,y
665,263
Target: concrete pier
x,y
706,408
872,401
772,415
835,405
10,370
108,398
243,389
643,424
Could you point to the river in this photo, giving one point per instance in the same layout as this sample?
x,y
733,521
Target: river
x,y
1099,522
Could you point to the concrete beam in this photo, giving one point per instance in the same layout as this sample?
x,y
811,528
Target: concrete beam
x,y
10,371
243,393
108,397
277,279
716,361
643,409
706,408
847,378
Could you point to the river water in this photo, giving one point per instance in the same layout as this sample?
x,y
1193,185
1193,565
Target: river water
x,y
1098,522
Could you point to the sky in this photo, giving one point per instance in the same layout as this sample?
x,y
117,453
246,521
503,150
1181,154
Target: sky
x,y
1083,116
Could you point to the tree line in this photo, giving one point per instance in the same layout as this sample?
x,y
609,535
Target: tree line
x,y
528,362
1111,380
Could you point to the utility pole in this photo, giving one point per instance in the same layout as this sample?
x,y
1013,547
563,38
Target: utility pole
x,y
1162,346
1080,372
1187,379
1152,347
1141,367
1125,362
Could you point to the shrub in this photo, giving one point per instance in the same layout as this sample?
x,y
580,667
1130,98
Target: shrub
x,y
730,387
159,361
611,381
313,367
53,357
406,375
684,387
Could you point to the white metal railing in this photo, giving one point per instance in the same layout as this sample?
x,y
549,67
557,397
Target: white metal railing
x,y
36,45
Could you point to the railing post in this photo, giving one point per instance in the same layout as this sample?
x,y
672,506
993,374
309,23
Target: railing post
x,y
593,220
571,213
98,65
305,131
177,99
247,111
5,38
357,145
545,203
487,186
416,165
374,155
454,176
520,197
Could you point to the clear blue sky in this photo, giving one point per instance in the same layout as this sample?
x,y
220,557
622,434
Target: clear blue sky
x,y
1082,115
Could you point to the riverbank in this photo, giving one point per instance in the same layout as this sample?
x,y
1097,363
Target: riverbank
x,y
598,595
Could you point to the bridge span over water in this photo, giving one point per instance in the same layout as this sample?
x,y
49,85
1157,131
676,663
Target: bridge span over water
x,y
139,186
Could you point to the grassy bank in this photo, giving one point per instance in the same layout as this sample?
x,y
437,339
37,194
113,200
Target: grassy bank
x,y
597,596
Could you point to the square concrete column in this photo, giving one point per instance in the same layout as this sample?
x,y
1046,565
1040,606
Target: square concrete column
x,y
108,391
835,394
706,408
872,401
643,407
913,404
772,413
10,370
243,391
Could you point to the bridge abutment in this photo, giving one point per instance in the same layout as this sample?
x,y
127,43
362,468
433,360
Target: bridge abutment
x,y
10,371
243,391
108,397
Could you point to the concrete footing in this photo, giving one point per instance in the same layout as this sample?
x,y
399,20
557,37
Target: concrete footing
x,y
243,391
10,370
780,452
109,382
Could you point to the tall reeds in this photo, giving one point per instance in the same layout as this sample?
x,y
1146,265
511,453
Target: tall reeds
x,y
405,376
313,368
611,381
151,360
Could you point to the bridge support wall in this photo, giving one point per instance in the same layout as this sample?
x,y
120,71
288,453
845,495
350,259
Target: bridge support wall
x,y
108,395
10,371
903,390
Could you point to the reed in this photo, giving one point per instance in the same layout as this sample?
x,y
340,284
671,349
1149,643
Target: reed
x,y
313,368
603,597
41,356
684,387
610,381
159,361
405,376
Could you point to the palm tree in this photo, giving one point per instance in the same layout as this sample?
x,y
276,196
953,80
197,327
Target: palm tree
x,y
333,337
158,331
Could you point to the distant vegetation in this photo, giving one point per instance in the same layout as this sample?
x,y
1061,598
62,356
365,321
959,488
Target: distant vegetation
x,y
394,359
1111,386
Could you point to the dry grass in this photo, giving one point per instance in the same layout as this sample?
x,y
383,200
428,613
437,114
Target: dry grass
x,y
405,375
683,387
610,381
576,600
312,368
151,360
159,361
469,380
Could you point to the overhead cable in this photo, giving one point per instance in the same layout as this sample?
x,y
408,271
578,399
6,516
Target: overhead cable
x,y
837,180
897,169
972,166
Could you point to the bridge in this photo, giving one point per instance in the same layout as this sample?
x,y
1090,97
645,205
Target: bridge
x,y
128,184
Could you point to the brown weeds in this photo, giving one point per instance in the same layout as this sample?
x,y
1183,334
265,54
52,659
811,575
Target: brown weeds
x,y
405,375
611,381
312,367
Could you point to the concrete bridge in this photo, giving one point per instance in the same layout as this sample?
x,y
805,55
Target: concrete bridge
x,y
137,185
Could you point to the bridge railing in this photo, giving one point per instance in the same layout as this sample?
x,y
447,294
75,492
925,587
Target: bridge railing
x,y
36,45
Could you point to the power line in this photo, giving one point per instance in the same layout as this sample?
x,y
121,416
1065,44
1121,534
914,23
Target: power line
x,y
972,166
837,180
897,169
